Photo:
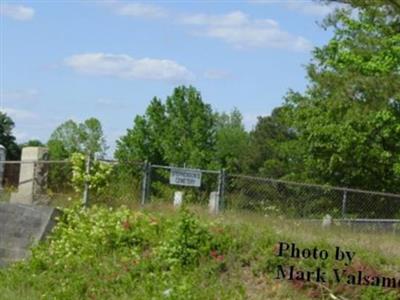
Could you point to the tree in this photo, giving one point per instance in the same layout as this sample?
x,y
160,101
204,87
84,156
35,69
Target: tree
x,y
7,139
272,149
392,7
33,143
91,137
348,119
189,132
71,137
143,140
64,141
179,132
231,141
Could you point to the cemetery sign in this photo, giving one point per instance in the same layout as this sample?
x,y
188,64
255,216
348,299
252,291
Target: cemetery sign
x,y
186,177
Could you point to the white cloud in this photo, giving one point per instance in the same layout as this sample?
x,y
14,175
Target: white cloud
x,y
17,12
236,18
127,67
18,95
241,31
216,74
19,115
314,8
140,10
135,9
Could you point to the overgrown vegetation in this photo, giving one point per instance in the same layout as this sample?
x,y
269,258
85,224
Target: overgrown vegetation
x,y
104,253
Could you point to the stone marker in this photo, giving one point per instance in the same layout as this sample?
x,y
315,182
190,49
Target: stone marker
x,y
2,158
32,177
327,221
21,226
213,205
178,198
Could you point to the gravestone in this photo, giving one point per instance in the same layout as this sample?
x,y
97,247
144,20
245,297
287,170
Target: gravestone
x,y
21,227
327,221
213,204
2,159
32,176
178,198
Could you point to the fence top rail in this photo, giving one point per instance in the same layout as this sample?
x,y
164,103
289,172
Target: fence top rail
x,y
34,161
108,161
265,179
172,167
342,189
115,161
64,161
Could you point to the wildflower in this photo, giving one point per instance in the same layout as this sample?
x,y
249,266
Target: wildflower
x,y
153,221
220,257
214,253
167,292
126,225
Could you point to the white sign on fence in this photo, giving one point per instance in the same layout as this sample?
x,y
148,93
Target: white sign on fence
x,y
187,177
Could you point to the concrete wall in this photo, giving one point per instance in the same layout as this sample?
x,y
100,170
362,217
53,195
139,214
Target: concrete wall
x,y
22,226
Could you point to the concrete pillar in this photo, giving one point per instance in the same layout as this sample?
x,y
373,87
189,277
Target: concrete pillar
x,y
2,165
213,204
31,179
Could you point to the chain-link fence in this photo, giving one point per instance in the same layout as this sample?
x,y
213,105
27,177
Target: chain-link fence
x,y
135,183
50,182
36,181
123,185
299,200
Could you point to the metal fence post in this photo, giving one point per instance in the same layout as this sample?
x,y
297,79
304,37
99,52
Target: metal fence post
x,y
148,191
85,200
221,189
146,182
344,200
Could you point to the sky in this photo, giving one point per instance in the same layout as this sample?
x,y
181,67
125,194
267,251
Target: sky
x,y
74,60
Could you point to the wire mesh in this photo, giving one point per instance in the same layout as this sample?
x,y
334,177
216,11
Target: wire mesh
x,y
32,181
298,200
123,186
51,183
369,205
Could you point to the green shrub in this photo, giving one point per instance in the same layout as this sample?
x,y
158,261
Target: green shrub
x,y
106,253
188,241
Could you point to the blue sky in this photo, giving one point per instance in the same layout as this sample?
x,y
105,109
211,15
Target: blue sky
x,y
65,60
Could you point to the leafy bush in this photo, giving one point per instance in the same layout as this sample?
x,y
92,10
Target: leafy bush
x,y
189,241
98,177
104,252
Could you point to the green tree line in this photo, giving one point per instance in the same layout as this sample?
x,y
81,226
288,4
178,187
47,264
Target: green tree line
x,y
344,129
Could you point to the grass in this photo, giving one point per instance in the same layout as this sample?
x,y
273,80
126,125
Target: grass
x,y
162,253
